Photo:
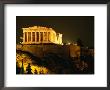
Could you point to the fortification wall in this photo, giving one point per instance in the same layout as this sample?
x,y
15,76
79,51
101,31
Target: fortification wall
x,y
41,50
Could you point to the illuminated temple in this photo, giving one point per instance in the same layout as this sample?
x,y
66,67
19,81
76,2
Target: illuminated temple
x,y
38,34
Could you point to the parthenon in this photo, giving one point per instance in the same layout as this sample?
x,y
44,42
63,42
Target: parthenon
x,y
39,34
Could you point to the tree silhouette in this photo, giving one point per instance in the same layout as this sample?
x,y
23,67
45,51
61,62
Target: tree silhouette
x,y
79,42
22,68
17,68
28,69
35,71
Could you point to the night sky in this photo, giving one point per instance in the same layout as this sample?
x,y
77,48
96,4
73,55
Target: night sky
x,y
72,27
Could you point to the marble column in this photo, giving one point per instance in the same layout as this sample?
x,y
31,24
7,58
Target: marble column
x,y
47,37
31,37
27,36
43,37
35,37
39,38
24,37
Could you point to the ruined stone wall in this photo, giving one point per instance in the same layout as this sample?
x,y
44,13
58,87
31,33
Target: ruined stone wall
x,y
41,50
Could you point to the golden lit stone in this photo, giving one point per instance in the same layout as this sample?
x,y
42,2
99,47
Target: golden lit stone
x,y
39,34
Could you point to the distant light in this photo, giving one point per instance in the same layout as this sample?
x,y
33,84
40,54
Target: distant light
x,y
75,44
21,37
62,44
69,43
